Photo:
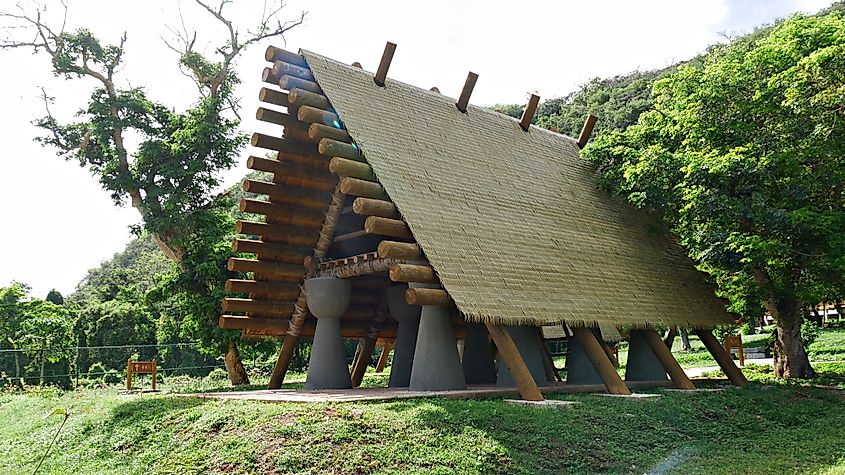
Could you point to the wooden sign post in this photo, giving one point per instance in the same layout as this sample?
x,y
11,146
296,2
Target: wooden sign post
x,y
140,367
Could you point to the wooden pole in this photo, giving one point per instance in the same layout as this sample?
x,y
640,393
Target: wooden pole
x,y
525,383
587,130
724,359
670,364
272,251
318,132
412,273
385,353
366,189
384,64
423,296
286,194
279,118
270,269
528,113
264,308
399,250
352,168
129,375
463,101
371,207
301,97
276,232
600,361
670,337
387,227
283,214
279,290
282,68
318,116
336,148
271,96
292,82
273,54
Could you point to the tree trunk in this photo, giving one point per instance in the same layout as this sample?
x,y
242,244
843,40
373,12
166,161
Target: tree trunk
x,y
41,376
234,365
20,381
791,359
685,339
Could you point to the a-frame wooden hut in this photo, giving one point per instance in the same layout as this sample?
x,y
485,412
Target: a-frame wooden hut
x,y
397,212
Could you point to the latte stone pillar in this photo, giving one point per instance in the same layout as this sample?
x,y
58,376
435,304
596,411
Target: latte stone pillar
x,y
478,364
328,298
528,343
579,369
404,348
643,364
437,366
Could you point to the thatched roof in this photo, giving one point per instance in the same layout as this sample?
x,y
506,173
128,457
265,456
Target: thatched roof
x,y
511,221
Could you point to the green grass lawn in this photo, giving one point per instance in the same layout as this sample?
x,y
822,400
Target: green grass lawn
x,y
768,429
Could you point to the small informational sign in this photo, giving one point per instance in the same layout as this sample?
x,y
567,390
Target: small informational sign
x,y
140,367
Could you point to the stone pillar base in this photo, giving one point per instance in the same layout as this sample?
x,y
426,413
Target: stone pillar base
x,y
528,343
643,364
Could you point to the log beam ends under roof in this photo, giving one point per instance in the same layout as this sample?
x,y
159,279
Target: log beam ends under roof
x,y
335,148
399,250
412,273
313,115
384,64
528,113
387,227
271,96
318,132
469,85
587,130
367,189
273,54
345,167
423,296
292,82
371,207
282,68
301,97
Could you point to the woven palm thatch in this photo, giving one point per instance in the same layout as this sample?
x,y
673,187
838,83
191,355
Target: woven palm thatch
x,y
511,221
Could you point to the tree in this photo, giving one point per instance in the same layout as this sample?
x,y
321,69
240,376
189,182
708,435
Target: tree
x,y
745,157
47,333
169,176
11,316
54,296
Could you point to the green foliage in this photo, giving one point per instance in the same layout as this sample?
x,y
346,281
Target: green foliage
x,y
54,296
744,156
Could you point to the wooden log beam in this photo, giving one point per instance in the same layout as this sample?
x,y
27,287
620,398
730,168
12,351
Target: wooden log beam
x,y
289,83
600,361
289,195
366,189
264,308
284,146
268,77
318,132
296,135
366,348
722,357
384,64
399,250
344,167
421,296
301,97
271,96
525,383
336,148
273,251
357,269
528,113
309,174
279,118
387,227
258,288
587,130
349,236
412,273
385,353
282,68
268,269
278,233
670,364
469,85
273,54
371,207
312,115
283,214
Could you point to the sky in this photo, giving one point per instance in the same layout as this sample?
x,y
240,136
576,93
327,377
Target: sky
x,y
56,220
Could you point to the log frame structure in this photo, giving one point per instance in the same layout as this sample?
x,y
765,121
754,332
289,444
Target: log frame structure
x,y
335,208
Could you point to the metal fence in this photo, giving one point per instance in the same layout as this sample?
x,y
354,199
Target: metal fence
x,y
103,365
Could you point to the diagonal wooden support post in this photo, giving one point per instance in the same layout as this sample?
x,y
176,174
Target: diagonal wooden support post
x,y
528,113
469,85
587,130
670,364
525,383
384,64
385,353
722,357
600,361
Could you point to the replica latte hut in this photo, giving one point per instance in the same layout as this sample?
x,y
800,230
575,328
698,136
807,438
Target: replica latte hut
x,y
396,212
